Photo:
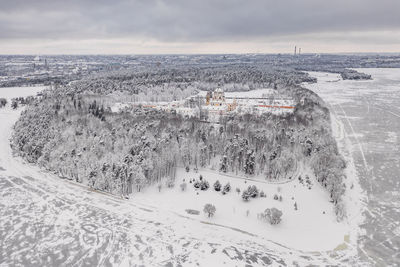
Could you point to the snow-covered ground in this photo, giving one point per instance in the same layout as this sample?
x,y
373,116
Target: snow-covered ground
x,y
369,114
46,221
12,92
302,229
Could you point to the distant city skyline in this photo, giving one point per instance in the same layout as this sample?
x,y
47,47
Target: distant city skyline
x,y
198,27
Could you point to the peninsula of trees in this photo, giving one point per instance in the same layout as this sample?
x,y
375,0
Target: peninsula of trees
x,y
72,131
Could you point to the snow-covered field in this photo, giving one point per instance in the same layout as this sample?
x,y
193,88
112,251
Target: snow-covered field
x,y
11,92
49,221
302,229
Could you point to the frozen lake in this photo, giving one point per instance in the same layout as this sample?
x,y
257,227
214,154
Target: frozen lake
x,y
370,111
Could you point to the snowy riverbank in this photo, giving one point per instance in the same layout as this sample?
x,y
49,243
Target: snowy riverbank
x,y
369,112
355,197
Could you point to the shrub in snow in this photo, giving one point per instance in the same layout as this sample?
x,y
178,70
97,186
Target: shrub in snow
x,y
3,102
253,191
209,209
204,185
295,205
245,195
201,177
262,194
14,103
159,186
273,216
183,186
280,198
227,188
192,212
217,186
276,197
238,190
187,168
196,184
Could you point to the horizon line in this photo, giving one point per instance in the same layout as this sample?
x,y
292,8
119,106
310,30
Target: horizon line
x,y
195,54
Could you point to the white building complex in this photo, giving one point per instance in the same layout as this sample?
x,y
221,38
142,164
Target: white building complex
x,y
266,101
213,104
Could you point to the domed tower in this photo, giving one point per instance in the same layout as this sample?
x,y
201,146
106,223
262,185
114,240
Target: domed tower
x,y
219,95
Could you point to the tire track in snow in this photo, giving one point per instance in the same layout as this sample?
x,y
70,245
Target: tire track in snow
x,y
355,137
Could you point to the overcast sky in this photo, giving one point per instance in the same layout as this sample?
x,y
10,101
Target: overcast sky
x,y
201,26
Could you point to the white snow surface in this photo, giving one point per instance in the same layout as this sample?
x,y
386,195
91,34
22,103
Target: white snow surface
x,y
12,92
369,114
306,229
50,221
355,197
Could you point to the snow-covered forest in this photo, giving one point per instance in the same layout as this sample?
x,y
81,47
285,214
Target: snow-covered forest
x,y
72,131
168,84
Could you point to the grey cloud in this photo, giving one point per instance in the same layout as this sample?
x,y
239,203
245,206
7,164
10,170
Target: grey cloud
x,y
193,21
